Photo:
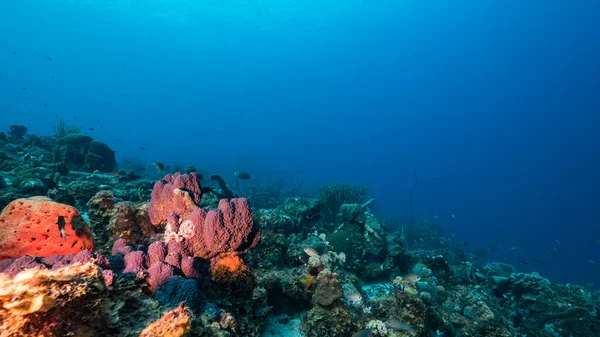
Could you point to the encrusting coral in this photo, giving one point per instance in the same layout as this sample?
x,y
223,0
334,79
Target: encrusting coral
x,y
61,302
174,323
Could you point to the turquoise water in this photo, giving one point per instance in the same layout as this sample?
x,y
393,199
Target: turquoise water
x,y
493,104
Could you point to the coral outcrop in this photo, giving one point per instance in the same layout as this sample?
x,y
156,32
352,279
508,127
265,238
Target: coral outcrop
x,y
229,229
38,226
61,302
177,194
174,323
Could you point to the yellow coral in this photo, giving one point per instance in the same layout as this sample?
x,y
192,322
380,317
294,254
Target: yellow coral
x,y
39,291
174,323
309,281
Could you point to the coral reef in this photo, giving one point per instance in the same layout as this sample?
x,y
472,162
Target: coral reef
x,y
173,258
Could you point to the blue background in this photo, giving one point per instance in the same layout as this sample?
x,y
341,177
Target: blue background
x,y
495,104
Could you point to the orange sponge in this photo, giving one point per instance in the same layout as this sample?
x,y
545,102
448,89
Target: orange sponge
x,y
38,226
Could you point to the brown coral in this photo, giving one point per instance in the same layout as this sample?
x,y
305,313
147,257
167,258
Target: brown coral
x,y
174,323
61,302
328,289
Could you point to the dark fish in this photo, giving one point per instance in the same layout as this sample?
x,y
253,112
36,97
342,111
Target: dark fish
x,y
242,175
15,53
159,166
61,226
363,333
91,129
465,243
538,261
45,104
24,88
142,148
48,57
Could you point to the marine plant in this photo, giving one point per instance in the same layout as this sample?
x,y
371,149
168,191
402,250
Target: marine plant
x,y
61,129
333,196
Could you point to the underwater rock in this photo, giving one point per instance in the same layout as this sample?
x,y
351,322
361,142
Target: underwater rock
x,y
498,269
35,180
352,213
17,131
111,220
99,157
177,290
83,191
328,288
100,209
62,302
130,221
35,226
174,323
82,153
374,234
529,284
335,321
177,194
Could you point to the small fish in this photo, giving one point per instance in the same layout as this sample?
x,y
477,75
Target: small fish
x,y
363,333
491,249
242,175
397,324
466,243
513,248
592,261
436,217
61,226
538,261
412,277
557,241
159,166
310,251
353,297
142,148
453,236
49,58
15,53
453,217
24,88
598,242
91,129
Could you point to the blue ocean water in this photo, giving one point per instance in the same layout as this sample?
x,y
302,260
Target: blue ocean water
x,y
494,105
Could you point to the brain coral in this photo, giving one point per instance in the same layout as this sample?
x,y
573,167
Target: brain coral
x,y
30,227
